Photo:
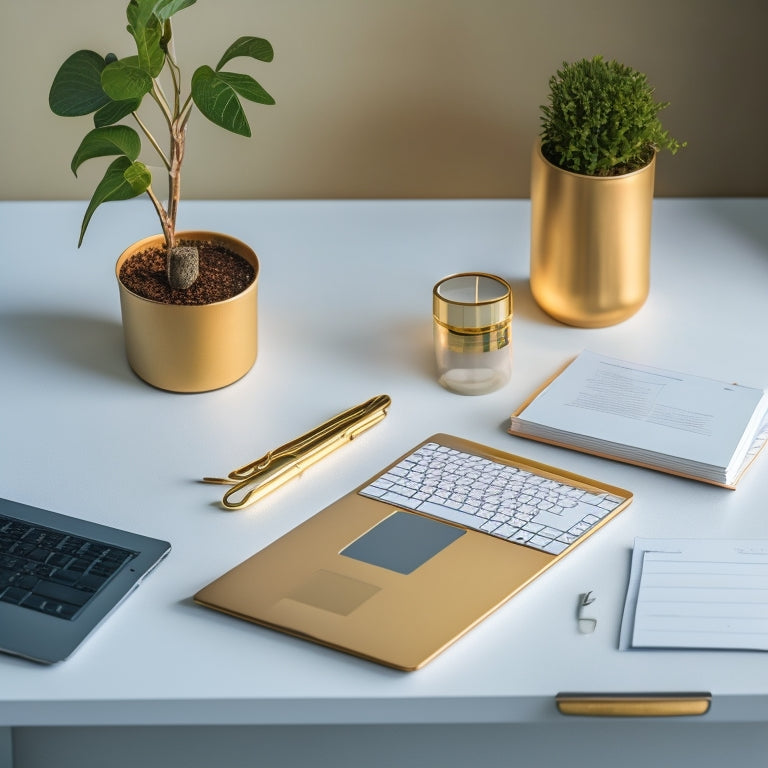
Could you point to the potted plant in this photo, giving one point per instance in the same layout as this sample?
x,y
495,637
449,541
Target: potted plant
x,y
188,298
592,182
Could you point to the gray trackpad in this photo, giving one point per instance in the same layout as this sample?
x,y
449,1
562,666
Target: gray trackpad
x,y
402,542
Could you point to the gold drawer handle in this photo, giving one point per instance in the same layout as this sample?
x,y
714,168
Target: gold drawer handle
x,y
634,704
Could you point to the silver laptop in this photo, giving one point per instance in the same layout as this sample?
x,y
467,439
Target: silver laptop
x,y
60,576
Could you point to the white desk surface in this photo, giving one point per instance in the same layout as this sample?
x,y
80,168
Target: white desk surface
x,y
345,313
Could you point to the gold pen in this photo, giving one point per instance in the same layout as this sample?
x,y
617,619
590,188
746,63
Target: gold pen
x,y
256,479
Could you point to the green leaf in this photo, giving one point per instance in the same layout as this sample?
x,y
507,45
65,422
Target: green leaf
x,y
123,180
124,79
115,111
76,88
217,100
103,142
143,10
139,12
246,86
164,9
138,177
148,38
253,47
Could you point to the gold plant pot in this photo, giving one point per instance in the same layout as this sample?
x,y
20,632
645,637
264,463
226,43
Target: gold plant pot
x,y
590,243
191,348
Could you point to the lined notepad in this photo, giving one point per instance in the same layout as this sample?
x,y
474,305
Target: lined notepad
x,y
689,593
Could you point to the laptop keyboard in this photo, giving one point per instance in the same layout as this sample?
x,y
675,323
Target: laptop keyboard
x,y
513,503
51,571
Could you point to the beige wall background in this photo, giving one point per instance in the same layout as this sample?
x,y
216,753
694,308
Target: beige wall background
x,y
401,98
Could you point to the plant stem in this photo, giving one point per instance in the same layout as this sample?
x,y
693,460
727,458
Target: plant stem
x,y
152,140
186,111
168,229
178,130
178,134
159,96
175,71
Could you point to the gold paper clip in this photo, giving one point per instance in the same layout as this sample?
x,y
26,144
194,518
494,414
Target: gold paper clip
x,y
256,479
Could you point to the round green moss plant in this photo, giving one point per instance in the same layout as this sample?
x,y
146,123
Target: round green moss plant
x,y
602,119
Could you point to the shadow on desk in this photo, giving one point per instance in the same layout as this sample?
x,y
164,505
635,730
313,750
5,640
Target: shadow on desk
x,y
78,341
407,346
525,306
742,217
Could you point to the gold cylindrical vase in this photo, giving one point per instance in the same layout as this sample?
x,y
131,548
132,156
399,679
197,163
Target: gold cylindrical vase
x,y
590,243
191,348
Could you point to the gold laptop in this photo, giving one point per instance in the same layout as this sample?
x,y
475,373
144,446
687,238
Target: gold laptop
x,y
401,567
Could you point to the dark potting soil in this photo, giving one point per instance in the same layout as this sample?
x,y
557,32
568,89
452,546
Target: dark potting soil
x,y
223,274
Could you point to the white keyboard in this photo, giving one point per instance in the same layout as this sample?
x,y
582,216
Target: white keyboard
x,y
513,503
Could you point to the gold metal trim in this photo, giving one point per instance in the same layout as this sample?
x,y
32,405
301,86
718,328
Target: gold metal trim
x,y
477,316
634,705
475,343
463,331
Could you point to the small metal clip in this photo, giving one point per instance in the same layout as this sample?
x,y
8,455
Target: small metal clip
x,y
586,624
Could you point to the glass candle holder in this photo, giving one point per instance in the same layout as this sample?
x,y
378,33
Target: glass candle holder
x,y
472,321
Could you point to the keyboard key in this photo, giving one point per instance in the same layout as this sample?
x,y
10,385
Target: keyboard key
x,y
397,500
580,528
25,581
445,513
522,536
37,602
67,611
61,592
58,560
65,577
104,568
51,606
592,498
91,582
14,595
533,527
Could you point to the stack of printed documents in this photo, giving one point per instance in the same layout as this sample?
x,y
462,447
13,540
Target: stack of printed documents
x,y
687,425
